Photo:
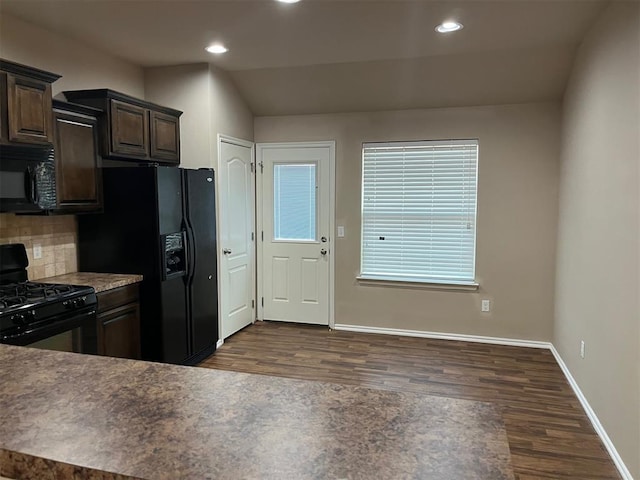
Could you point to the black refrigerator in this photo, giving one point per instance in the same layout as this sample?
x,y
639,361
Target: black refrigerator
x,y
160,222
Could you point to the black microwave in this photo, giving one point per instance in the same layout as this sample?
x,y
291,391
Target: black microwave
x,y
27,178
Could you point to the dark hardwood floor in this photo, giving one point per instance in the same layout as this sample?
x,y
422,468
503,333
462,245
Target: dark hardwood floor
x,y
549,434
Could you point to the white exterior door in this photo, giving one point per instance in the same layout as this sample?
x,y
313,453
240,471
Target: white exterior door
x,y
296,221
236,248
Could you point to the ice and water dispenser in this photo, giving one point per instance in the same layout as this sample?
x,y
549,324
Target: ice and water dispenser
x,y
174,254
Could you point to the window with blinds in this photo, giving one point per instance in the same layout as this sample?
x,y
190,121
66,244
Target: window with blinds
x,y
419,211
294,202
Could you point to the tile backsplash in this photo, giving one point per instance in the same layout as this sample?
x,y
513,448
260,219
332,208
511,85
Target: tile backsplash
x,y
57,235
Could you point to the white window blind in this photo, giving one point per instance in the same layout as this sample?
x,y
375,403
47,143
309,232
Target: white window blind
x,y
294,202
419,211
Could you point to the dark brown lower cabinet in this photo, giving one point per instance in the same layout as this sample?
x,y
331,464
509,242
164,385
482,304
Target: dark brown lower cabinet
x,y
119,322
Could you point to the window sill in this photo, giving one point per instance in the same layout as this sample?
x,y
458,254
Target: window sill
x,y
385,282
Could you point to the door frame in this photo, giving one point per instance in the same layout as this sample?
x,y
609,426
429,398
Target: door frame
x,y
331,144
222,138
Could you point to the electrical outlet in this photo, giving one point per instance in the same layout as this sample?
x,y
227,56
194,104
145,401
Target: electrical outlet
x,y
37,251
340,231
581,348
486,305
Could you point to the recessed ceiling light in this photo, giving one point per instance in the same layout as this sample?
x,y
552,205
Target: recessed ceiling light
x,y
217,48
448,26
288,1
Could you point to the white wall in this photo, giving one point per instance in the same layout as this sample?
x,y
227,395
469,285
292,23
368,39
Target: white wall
x,y
81,66
517,216
598,267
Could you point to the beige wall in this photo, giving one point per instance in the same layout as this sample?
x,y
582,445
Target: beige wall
x,y
230,114
598,286
517,213
211,105
81,66
185,88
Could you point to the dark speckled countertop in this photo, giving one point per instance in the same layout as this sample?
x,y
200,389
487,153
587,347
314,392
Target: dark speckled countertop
x,y
99,281
66,415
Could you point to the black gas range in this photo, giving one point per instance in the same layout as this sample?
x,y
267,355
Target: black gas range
x,y
60,317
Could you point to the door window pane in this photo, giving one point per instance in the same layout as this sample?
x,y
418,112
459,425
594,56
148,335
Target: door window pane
x,y
294,202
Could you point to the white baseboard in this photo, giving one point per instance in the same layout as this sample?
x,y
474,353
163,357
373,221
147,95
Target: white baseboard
x,y
444,336
615,456
219,343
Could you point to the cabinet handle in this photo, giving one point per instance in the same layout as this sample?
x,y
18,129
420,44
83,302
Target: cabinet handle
x,y
226,251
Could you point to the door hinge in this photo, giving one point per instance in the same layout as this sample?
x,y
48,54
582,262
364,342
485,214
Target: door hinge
x,y
253,304
263,301
253,167
261,167
262,235
252,236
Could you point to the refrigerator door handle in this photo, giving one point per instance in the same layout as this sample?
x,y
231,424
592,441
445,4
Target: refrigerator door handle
x,y
191,267
187,253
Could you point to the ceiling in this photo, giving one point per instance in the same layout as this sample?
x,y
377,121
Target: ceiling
x,y
321,56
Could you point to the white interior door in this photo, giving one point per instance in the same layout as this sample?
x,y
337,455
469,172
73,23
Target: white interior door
x,y
236,248
296,223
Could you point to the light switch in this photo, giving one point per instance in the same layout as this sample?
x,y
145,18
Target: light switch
x,y
340,231
486,305
37,251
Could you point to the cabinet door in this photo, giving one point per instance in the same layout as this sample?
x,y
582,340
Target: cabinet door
x,y
119,332
165,137
129,130
78,179
29,113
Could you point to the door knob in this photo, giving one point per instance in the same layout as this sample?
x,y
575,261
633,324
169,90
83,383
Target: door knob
x,y
226,251
323,252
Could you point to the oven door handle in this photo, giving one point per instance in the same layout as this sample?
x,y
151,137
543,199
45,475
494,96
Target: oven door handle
x,y
52,328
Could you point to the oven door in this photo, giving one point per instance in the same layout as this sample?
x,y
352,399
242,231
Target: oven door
x,y
72,332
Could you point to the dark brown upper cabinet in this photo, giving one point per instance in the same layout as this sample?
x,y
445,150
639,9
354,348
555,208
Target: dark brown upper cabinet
x,y
133,129
78,162
129,130
25,104
165,137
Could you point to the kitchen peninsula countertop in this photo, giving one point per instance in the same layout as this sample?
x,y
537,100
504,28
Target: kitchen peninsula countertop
x,y
99,281
67,415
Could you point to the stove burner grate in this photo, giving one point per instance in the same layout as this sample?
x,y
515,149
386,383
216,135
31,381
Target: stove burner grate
x,y
17,294
33,291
